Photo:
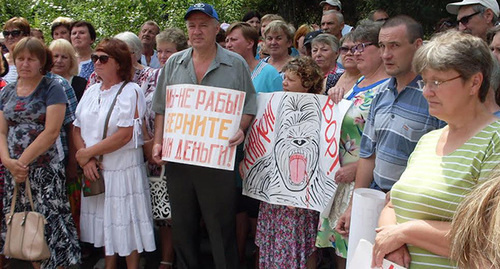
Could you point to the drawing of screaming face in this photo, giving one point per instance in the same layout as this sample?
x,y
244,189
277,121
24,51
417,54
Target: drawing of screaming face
x,y
297,141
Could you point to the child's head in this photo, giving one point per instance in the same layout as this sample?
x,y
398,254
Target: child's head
x,y
302,74
475,231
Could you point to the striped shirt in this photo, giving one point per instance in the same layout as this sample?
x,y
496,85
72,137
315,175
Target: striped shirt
x,y
432,186
69,115
394,125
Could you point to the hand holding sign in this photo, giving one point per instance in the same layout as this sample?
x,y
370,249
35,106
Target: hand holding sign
x,y
157,154
237,138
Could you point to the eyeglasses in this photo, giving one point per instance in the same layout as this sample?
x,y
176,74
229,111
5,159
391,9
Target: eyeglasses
x,y
361,47
13,33
465,19
382,19
103,58
344,50
435,83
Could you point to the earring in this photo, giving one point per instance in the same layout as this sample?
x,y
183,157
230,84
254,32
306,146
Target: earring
x,y
40,70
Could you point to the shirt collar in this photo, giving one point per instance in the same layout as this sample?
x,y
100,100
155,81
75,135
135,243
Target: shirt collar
x,y
221,57
412,85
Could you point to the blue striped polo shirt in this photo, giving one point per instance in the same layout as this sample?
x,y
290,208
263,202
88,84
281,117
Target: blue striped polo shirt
x,y
394,125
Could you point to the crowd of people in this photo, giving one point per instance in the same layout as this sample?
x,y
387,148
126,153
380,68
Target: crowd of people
x,y
422,127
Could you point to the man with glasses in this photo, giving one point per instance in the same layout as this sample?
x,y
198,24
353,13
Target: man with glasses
x,y
378,15
475,16
398,115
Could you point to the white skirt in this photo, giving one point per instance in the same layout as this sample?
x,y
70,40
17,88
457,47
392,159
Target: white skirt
x,y
120,219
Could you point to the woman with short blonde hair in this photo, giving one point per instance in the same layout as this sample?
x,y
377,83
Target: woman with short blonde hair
x,y
278,39
475,229
66,65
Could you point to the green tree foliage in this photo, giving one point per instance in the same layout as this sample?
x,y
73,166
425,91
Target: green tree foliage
x,y
428,12
110,17
113,16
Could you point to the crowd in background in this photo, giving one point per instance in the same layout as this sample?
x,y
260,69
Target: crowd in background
x,y
422,127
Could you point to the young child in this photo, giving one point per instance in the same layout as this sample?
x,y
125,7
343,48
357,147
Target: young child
x,y
286,235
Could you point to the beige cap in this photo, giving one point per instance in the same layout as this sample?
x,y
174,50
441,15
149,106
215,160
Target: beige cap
x,y
491,4
335,3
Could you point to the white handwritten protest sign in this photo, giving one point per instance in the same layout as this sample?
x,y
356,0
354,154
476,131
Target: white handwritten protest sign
x,y
292,150
199,121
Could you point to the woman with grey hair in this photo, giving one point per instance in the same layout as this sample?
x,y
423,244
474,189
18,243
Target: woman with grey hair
x,y
169,42
363,78
325,51
447,163
134,44
278,39
141,74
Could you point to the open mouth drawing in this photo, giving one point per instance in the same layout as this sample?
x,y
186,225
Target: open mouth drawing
x,y
297,165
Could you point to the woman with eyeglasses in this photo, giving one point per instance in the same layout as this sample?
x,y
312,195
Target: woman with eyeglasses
x,y
14,30
168,42
32,110
359,53
351,72
142,75
448,163
119,219
325,51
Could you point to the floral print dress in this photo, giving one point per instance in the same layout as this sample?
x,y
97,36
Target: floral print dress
x,y
350,138
285,236
25,116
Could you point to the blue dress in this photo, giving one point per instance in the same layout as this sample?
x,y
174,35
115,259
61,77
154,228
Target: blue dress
x,y
25,116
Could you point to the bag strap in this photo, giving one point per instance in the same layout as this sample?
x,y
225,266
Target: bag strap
x,y
105,132
14,197
162,173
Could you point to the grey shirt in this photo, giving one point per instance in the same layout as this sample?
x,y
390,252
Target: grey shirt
x,y
228,70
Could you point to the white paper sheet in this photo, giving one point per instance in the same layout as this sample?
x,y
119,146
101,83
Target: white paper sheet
x,y
366,207
362,258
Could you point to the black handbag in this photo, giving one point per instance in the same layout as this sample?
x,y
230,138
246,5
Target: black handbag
x,y
95,187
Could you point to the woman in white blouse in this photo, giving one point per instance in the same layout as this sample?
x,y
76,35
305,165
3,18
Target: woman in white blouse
x,y
120,218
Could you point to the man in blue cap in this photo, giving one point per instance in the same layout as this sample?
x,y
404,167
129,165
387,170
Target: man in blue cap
x,y
197,191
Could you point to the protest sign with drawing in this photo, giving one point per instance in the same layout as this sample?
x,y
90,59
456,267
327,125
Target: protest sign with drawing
x,y
199,121
292,150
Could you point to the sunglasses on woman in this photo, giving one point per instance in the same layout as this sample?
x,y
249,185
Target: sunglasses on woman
x,y
13,33
344,50
103,58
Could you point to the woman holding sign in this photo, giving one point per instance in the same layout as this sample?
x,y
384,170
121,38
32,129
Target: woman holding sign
x,y
286,235
447,163
360,91
120,218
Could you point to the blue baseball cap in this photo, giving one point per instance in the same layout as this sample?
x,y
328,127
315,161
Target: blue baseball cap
x,y
202,7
